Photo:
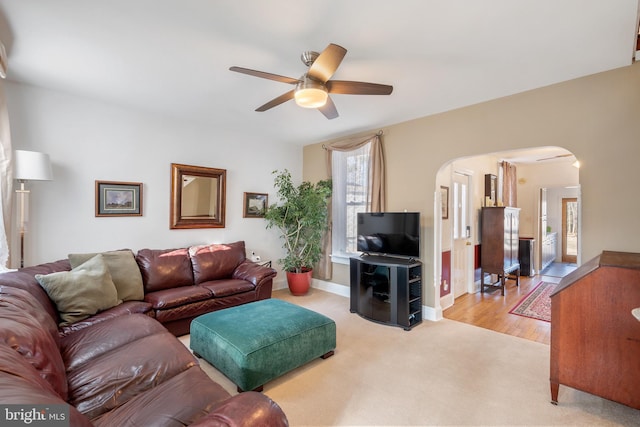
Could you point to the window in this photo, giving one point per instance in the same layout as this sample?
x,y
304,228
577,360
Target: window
x,y
350,170
460,212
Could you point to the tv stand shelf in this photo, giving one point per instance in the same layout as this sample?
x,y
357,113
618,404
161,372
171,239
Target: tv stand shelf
x,y
387,290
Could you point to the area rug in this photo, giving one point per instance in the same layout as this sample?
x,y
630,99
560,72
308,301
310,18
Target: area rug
x,y
537,304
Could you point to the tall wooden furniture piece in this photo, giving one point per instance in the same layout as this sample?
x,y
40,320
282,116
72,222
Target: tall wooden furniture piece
x,y
595,339
387,290
499,245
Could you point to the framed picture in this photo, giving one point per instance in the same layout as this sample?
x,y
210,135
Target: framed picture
x,y
255,205
444,196
490,189
118,198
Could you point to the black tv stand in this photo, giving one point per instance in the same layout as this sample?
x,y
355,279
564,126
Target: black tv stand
x,y
387,290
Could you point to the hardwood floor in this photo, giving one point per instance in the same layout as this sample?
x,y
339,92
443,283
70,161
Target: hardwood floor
x,y
490,310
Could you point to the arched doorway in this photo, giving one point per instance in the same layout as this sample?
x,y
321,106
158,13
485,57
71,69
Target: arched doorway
x,y
537,168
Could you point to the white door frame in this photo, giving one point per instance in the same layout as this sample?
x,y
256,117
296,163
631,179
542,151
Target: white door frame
x,y
468,273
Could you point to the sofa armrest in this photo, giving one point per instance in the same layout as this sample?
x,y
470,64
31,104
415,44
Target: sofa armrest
x,y
253,272
244,410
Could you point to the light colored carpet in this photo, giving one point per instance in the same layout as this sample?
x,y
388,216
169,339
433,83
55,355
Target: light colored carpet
x,y
440,373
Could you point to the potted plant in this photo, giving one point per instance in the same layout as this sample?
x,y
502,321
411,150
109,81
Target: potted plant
x,y
301,216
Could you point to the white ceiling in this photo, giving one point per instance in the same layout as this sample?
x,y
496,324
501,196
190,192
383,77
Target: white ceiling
x,y
173,56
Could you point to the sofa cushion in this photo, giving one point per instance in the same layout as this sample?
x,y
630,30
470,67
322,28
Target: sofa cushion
x,y
85,345
20,384
164,268
81,292
177,319
213,262
31,333
223,288
176,297
109,377
123,269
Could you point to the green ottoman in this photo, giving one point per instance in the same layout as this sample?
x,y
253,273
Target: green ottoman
x,y
256,342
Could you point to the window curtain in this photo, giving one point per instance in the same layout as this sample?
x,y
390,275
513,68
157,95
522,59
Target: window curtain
x,y
509,184
376,198
6,171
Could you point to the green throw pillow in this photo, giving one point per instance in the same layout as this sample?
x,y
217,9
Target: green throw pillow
x,y
81,292
123,269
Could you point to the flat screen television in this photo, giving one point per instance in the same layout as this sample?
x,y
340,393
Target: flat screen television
x,y
389,233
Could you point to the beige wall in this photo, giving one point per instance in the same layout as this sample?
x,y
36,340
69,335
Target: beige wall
x,y
594,117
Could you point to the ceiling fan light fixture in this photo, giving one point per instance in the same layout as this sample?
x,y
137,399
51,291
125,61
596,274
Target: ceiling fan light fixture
x,y
310,94
313,88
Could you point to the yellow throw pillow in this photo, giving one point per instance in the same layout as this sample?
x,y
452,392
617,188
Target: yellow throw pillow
x,y
81,292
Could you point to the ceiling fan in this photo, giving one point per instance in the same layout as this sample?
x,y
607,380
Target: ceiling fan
x,y
313,88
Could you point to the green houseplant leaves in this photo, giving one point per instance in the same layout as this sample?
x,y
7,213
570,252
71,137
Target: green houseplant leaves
x,y
301,216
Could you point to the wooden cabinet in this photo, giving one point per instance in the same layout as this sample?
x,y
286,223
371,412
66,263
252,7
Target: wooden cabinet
x,y
595,339
549,244
499,245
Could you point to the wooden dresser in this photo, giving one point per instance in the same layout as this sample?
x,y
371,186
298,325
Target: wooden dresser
x,y
499,245
595,339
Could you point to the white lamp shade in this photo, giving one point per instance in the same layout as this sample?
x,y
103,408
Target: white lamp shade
x,y
32,166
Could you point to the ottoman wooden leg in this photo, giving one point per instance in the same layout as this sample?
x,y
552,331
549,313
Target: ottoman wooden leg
x,y
258,389
327,354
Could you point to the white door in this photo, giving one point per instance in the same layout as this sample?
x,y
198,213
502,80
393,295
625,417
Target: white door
x,y
570,230
462,252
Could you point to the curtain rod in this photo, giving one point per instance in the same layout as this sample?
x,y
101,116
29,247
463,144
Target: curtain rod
x,y
379,133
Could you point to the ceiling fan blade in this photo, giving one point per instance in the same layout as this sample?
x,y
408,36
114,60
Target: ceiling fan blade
x,y
276,101
327,62
329,109
264,75
357,88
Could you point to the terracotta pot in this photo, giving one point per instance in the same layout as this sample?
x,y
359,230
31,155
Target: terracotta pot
x,y
299,283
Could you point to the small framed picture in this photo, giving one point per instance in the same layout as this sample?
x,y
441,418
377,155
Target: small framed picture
x,y
118,198
490,189
444,194
255,205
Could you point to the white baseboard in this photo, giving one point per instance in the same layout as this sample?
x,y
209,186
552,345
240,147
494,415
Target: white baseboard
x,y
431,313
334,288
279,284
446,301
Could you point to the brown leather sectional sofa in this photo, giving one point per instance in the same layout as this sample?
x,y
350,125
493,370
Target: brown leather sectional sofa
x,y
121,366
176,285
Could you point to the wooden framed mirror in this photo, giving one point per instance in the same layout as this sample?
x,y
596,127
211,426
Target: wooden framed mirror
x,y
198,196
